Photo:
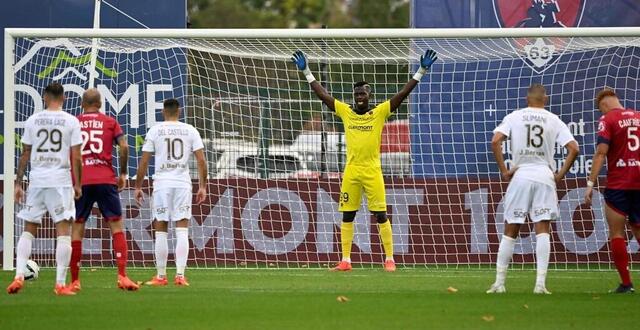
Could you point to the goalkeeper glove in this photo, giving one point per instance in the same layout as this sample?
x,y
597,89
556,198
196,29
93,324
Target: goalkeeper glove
x,y
301,62
426,61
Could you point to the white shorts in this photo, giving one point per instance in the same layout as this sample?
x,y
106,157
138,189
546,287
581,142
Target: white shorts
x,y
524,197
57,201
171,204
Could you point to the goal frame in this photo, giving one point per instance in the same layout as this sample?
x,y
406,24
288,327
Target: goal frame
x,y
10,34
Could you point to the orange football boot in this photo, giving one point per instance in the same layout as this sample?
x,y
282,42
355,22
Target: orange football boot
x,y
343,266
389,266
16,285
126,283
157,281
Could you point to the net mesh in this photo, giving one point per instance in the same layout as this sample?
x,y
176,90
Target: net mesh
x,y
275,153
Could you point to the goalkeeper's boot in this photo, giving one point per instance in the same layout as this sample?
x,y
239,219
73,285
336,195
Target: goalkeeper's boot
x,y
624,289
180,280
540,289
157,281
389,266
125,283
16,285
343,266
75,286
497,288
63,290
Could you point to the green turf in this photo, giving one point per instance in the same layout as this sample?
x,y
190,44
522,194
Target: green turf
x,y
306,299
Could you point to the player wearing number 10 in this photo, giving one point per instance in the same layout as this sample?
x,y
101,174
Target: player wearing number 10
x,y
99,185
172,142
619,144
534,133
51,143
363,128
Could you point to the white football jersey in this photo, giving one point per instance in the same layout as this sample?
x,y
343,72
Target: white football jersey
x,y
51,134
534,133
173,143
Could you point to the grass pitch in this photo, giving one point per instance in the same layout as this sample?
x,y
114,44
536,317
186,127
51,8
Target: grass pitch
x,y
308,299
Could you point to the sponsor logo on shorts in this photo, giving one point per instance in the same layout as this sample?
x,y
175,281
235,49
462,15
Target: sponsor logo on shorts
x,y
58,210
161,210
519,213
184,208
543,211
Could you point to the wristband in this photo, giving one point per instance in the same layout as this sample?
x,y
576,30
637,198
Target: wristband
x,y
307,74
418,75
590,184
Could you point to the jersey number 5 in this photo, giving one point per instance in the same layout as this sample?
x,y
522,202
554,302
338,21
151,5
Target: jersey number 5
x,y
534,136
95,138
633,142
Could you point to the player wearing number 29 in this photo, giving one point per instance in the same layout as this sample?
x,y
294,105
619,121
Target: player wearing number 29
x,y
363,129
534,133
99,185
618,143
51,143
172,142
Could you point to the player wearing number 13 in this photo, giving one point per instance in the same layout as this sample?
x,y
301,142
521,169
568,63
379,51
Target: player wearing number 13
x,y
534,133
173,143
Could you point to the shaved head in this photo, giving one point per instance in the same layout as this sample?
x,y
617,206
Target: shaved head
x,y
537,96
91,99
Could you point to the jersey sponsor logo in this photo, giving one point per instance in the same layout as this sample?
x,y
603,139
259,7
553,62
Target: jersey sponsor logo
x,y
621,163
539,53
362,128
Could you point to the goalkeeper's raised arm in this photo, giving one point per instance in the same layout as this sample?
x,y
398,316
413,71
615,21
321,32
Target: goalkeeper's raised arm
x,y
426,60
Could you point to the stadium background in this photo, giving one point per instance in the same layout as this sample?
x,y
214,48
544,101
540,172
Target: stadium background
x,y
434,164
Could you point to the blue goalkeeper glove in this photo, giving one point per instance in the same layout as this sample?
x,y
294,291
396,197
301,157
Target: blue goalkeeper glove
x,y
426,61
300,60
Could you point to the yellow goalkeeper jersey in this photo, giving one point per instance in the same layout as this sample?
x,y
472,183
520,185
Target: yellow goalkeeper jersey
x,y
363,133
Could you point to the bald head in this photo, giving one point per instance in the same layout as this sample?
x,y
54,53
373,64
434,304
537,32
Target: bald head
x,y
91,100
537,96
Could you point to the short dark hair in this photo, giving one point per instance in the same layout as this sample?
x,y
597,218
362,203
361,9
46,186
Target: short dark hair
x,y
54,90
171,104
360,84
605,92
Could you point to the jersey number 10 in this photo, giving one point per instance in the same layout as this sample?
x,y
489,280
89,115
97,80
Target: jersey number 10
x,y
175,149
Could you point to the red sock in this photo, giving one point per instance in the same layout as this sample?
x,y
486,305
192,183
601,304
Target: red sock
x,y
76,256
120,248
621,259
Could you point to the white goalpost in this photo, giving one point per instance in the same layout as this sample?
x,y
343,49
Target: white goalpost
x,y
275,153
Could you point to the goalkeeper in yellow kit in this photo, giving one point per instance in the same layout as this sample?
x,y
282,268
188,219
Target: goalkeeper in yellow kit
x,y
363,129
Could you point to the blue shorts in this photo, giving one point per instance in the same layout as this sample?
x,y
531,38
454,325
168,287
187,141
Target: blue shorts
x,y
624,202
107,197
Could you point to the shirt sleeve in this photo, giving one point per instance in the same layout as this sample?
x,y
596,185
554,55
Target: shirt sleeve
x,y
604,131
197,140
564,134
385,109
117,131
76,135
504,127
148,145
27,137
341,108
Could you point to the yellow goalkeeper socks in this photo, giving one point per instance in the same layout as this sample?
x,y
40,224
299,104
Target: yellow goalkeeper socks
x,y
346,237
386,236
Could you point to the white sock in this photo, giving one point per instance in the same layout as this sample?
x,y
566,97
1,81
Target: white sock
x,y
63,257
505,252
182,249
23,252
543,249
162,253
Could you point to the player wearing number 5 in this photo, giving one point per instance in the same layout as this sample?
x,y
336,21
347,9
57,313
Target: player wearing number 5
x,y
534,133
51,143
363,128
100,185
173,143
619,145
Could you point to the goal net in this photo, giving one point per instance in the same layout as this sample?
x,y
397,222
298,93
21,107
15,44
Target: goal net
x,y
275,153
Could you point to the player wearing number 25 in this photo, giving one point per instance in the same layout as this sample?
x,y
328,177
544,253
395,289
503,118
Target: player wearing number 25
x,y
619,144
100,185
51,143
363,129
534,133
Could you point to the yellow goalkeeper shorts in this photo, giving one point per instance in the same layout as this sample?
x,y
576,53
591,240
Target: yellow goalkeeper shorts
x,y
355,179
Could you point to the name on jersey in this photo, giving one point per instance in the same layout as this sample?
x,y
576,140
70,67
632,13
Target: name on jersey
x,y
536,118
50,121
362,128
173,131
629,122
92,124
